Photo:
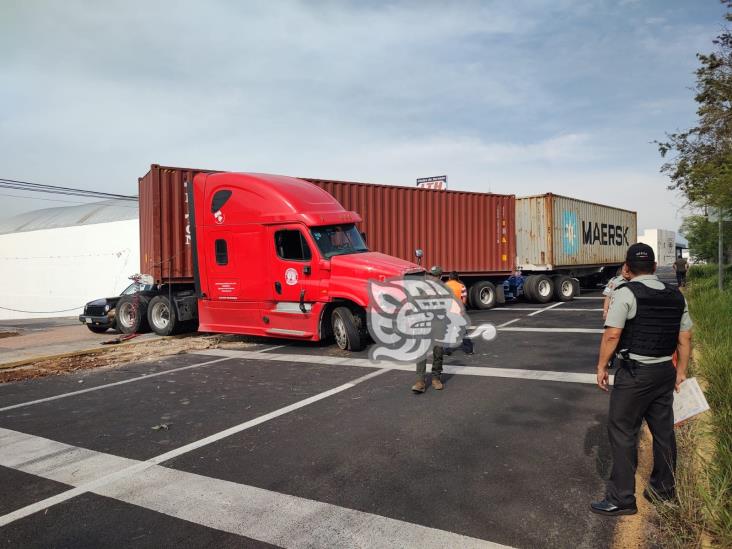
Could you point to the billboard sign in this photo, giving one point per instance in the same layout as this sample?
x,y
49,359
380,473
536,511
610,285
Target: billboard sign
x,y
438,183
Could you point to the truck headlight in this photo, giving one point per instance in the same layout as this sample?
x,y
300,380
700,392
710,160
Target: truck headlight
x,y
106,308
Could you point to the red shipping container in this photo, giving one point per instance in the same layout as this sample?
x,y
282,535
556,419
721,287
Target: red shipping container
x,y
472,233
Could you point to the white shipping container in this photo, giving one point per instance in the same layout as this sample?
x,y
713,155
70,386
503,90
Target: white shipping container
x,y
663,243
555,231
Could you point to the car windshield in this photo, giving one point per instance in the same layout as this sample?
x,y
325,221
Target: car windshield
x,y
338,240
132,288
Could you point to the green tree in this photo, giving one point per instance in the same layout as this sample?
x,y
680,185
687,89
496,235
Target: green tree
x,y
699,160
702,236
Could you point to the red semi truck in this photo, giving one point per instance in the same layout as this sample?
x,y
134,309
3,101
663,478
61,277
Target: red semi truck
x,y
253,254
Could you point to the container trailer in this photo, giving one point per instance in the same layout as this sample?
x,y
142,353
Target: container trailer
x,y
539,247
290,257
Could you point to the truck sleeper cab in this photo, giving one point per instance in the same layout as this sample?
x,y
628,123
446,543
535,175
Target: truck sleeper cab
x,y
277,256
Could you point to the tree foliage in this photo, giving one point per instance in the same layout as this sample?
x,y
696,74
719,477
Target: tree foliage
x,y
702,236
699,159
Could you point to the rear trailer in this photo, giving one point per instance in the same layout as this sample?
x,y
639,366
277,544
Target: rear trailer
x,y
563,242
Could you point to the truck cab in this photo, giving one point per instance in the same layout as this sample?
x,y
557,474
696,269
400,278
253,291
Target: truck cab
x,y
278,256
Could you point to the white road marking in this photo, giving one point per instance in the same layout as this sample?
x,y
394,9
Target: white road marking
x,y
590,297
271,517
514,309
116,383
555,330
270,348
7,453
557,304
507,323
482,371
569,309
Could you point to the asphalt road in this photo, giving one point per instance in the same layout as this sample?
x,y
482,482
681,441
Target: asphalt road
x,y
303,445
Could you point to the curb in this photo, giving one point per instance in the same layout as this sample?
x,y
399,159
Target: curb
x,y
81,352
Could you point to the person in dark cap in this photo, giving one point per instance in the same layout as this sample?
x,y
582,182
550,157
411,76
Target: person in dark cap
x,y
647,321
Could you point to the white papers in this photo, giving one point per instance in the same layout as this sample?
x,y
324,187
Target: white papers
x,y
689,401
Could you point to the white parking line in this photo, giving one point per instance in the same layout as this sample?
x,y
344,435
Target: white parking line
x,y
116,383
482,371
554,330
569,309
590,297
267,349
557,304
507,323
12,445
514,309
264,515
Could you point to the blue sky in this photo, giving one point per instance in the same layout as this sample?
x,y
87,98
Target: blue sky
x,y
556,96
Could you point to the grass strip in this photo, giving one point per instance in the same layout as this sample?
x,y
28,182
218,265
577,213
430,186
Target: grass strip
x,y
702,515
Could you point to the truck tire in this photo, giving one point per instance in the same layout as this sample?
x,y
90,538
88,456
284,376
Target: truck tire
x,y
161,316
542,289
346,330
130,321
97,329
483,295
564,288
528,290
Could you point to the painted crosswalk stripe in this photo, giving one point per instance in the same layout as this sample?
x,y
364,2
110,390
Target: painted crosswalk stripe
x,y
481,371
554,330
256,513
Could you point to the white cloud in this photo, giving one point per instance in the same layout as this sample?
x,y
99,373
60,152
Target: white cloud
x,y
515,97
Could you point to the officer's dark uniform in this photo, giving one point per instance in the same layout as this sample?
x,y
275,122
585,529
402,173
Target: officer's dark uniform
x,y
651,315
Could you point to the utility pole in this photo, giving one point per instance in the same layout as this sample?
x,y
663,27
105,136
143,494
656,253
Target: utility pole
x,y
720,261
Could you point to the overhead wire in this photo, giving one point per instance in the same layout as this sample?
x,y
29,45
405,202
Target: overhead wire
x,y
28,186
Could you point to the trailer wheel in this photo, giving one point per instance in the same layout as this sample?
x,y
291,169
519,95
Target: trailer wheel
x,y
564,289
346,330
132,318
97,329
528,288
543,289
161,316
483,295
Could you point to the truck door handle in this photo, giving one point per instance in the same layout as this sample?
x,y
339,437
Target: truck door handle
x,y
306,269
278,287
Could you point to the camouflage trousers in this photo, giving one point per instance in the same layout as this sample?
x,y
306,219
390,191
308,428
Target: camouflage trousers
x,y
437,354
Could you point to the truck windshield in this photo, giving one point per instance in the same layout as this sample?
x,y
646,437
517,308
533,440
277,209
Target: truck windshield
x,y
338,240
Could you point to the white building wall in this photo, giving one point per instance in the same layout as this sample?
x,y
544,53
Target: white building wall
x,y
63,268
663,243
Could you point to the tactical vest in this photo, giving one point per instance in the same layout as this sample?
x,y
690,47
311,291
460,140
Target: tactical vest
x,y
654,331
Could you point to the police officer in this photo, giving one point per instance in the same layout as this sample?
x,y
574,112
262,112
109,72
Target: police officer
x,y
646,322
437,355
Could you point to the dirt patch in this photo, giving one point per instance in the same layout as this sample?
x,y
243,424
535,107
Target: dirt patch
x,y
123,353
8,334
635,530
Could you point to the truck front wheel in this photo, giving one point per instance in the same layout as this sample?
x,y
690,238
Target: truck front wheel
x,y
483,295
346,330
161,316
132,314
